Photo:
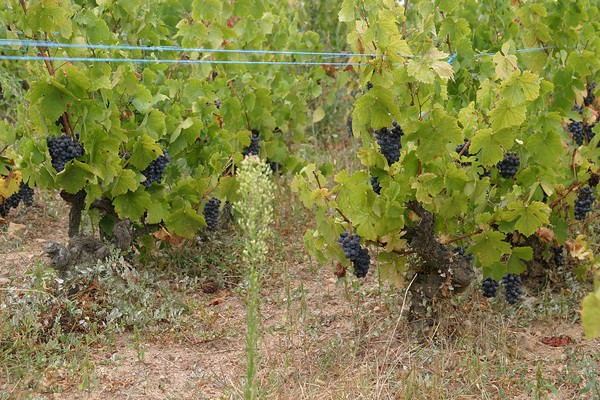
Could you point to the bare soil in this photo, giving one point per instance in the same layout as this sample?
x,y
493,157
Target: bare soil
x,y
319,340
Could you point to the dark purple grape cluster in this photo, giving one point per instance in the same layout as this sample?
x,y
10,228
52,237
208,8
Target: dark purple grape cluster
x,y
584,202
577,108
369,86
211,213
462,251
25,194
155,170
349,125
63,149
512,288
558,255
589,132
254,147
354,252
489,287
464,148
485,174
594,180
389,142
61,123
508,166
276,167
589,98
375,184
576,130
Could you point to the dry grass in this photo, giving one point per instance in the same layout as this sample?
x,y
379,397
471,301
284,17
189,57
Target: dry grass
x,y
320,338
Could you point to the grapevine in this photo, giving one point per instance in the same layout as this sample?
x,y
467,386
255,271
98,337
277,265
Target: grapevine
x,y
489,287
211,213
512,286
62,150
507,168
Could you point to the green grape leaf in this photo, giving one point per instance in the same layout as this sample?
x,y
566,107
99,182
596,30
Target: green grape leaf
x,y
488,145
75,176
206,9
132,205
435,133
126,180
158,211
516,264
145,150
346,13
506,115
529,216
489,247
185,222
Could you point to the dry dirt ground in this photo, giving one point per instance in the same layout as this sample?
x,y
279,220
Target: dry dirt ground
x,y
319,340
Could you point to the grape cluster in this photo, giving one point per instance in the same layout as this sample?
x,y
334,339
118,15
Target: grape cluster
x,y
349,125
254,147
211,213
594,180
489,287
155,170
589,132
465,153
389,142
584,202
62,150
461,251
589,98
275,166
557,252
354,252
369,86
375,184
512,286
25,194
576,130
509,164
485,174
61,123
577,108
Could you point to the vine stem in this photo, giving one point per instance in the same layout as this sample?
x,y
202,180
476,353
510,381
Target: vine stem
x,y
584,220
329,199
468,235
574,186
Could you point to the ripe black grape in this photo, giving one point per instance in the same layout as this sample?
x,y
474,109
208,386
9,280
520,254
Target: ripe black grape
x,y
24,194
354,252
589,132
557,252
63,149
349,125
509,164
464,148
489,287
594,180
576,130
589,97
369,86
485,174
389,142
155,170
375,185
462,251
254,147
584,202
60,122
512,286
211,213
